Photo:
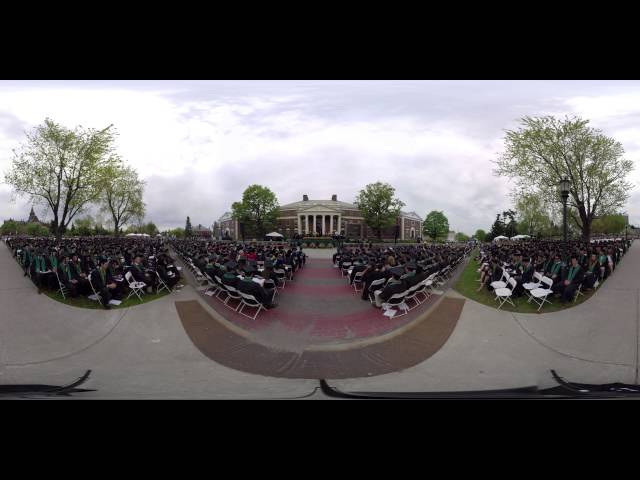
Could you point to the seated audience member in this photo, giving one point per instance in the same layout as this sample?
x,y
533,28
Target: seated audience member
x,y
83,286
375,272
573,278
261,294
395,285
556,270
358,266
525,277
592,272
140,274
103,283
68,276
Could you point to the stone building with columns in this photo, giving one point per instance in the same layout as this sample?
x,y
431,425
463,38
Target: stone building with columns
x,y
326,217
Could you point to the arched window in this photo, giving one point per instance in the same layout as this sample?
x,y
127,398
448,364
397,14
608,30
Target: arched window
x,y
413,233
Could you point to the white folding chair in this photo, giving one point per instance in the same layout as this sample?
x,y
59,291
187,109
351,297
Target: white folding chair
x,y
423,289
161,284
221,286
136,287
578,293
62,288
539,295
357,281
412,293
373,286
281,275
232,293
346,266
533,285
396,300
95,296
249,301
503,295
502,283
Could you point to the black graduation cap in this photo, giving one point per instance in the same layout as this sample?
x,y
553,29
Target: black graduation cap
x,y
411,266
231,264
397,271
249,270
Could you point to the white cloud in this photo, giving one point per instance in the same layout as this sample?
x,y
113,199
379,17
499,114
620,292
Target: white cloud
x,y
200,144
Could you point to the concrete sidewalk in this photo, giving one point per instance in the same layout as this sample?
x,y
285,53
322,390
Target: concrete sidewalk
x,y
594,342
139,352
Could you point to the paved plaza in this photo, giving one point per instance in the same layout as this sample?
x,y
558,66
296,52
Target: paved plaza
x,y
187,345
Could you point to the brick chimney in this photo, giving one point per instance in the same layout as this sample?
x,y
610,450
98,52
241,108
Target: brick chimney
x,y
334,197
305,198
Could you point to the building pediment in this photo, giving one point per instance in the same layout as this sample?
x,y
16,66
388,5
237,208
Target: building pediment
x,y
318,209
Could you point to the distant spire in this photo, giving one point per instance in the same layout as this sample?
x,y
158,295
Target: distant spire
x,y
32,216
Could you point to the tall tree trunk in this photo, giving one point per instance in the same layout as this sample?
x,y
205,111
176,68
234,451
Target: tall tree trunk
x,y
586,223
57,228
586,231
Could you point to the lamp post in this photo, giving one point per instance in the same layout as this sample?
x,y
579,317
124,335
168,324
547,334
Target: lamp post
x,y
564,194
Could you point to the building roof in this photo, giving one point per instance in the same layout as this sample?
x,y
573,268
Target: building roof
x,y
411,215
201,228
226,216
318,203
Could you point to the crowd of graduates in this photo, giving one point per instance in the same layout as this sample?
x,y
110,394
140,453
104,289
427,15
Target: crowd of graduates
x,y
253,268
402,266
87,266
570,265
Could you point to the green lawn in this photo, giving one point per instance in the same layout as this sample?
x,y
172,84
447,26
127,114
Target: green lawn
x,y
84,302
468,284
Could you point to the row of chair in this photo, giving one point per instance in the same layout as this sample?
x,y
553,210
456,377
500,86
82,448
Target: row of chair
x,y
537,291
226,293
418,293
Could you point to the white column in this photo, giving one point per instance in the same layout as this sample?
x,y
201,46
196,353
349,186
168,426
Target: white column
x,y
299,224
402,227
339,223
331,225
324,222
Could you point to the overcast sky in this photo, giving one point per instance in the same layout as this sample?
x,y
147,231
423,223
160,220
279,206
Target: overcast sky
x,y
199,144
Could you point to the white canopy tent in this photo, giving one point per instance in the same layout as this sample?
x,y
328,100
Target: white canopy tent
x,y
137,235
274,234
520,237
500,237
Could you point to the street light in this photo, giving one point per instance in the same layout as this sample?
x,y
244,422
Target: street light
x,y
564,194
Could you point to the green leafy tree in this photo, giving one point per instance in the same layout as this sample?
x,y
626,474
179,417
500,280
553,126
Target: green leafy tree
x,y
609,224
480,235
149,228
545,150
9,227
497,229
436,225
62,168
176,232
37,230
122,195
461,237
510,224
378,206
188,230
84,226
257,212
532,214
